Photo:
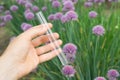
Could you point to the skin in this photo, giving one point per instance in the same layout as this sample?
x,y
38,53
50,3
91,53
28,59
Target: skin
x,y
24,53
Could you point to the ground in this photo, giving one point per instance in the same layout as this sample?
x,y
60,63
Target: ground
x,y
4,39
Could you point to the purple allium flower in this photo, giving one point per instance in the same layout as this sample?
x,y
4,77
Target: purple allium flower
x,y
1,7
99,1
2,24
8,17
27,11
21,2
68,5
44,8
98,30
14,8
56,4
70,58
112,78
68,71
72,15
90,0
65,0
64,19
93,14
112,74
58,16
25,26
0,11
99,78
54,0
113,0
88,4
2,18
51,17
74,1
65,9
7,12
28,5
70,48
29,15
35,8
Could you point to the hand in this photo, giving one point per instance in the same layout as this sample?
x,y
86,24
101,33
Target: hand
x,y
24,54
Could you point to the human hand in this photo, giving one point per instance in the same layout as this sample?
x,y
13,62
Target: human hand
x,y
24,54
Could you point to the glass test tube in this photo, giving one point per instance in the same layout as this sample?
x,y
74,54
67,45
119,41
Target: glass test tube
x,y
61,56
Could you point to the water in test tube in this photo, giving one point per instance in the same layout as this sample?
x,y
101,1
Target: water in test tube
x,y
56,47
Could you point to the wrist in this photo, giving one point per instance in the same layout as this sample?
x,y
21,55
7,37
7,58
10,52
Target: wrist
x,y
7,69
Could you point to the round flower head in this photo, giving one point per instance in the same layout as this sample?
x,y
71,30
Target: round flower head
x,y
14,8
112,73
68,71
44,8
90,0
113,0
28,5
51,17
56,4
25,26
27,11
64,19
88,4
70,58
2,24
68,5
72,15
1,7
21,2
65,0
93,14
58,16
8,18
99,1
35,8
7,12
70,48
68,9
74,1
0,11
2,18
98,30
99,78
29,15
53,0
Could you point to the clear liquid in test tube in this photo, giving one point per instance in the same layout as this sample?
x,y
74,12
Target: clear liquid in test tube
x,y
56,47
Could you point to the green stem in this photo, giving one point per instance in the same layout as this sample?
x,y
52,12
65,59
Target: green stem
x,y
71,31
68,78
95,56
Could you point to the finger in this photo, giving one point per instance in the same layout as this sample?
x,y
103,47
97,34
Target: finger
x,y
36,31
49,56
43,39
48,47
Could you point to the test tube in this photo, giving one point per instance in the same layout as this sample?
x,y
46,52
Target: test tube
x,y
61,56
